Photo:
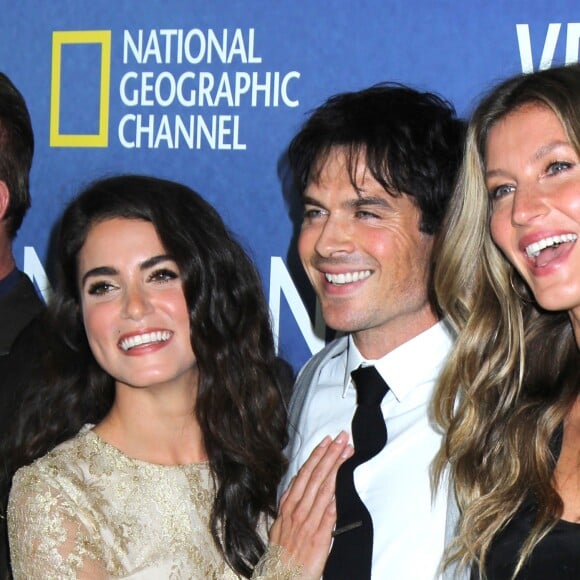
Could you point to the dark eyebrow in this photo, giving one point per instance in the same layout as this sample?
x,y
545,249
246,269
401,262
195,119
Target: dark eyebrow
x,y
361,201
370,200
100,271
307,200
110,271
152,262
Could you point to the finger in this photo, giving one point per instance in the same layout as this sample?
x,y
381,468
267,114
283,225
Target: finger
x,y
284,496
315,485
328,519
317,472
301,479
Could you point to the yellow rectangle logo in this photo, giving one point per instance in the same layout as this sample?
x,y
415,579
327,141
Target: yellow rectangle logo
x,y
100,139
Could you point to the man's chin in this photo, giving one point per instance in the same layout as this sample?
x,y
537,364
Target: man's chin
x,y
340,325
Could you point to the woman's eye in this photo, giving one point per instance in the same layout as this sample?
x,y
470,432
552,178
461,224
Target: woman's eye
x,y
163,275
558,167
501,191
99,288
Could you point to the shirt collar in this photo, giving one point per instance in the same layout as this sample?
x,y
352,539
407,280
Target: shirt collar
x,y
417,361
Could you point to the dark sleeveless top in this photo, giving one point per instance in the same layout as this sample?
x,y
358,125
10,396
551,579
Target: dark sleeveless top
x,y
555,557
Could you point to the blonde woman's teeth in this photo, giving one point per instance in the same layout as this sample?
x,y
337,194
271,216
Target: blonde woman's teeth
x,y
533,250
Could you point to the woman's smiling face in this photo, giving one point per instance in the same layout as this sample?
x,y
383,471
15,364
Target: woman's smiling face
x,y
133,306
533,176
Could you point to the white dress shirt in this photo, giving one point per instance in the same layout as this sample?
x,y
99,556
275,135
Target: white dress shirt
x,y
409,523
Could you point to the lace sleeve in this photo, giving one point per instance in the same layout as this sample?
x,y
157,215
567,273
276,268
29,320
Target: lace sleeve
x,y
48,539
275,565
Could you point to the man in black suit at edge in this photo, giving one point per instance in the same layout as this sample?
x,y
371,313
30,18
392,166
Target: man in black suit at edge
x,y
19,302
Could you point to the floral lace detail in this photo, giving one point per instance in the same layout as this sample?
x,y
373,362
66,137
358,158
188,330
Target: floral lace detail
x,y
87,510
275,564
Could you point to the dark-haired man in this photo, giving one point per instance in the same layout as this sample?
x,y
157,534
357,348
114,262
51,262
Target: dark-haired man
x,y
375,170
19,302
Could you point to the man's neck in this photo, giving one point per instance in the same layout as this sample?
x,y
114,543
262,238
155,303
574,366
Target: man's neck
x,y
373,344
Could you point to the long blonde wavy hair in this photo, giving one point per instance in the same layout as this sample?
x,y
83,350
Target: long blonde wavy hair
x,y
515,370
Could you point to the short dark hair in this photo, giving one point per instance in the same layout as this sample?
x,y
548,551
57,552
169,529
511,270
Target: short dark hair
x,y
16,151
411,141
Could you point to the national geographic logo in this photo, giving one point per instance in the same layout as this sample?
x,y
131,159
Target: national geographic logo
x,y
98,39
173,88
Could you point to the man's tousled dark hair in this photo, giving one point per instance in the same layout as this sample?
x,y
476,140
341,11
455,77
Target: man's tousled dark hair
x,y
411,142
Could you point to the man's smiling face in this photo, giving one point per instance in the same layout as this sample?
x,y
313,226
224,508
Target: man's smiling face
x,y
365,256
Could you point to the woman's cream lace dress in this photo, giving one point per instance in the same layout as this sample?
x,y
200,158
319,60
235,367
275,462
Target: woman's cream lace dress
x,y
85,510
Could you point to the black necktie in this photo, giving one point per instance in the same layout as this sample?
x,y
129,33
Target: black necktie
x,y
352,549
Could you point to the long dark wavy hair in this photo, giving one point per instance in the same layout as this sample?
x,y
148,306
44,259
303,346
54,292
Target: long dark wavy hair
x,y
239,403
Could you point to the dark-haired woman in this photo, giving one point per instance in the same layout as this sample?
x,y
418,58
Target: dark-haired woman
x,y
154,448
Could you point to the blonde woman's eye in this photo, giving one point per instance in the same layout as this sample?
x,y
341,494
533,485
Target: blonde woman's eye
x,y
501,191
558,167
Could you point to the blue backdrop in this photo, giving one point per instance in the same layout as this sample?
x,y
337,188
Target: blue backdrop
x,y
210,93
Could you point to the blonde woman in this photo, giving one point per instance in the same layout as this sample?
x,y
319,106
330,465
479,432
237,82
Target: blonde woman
x,y
508,277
